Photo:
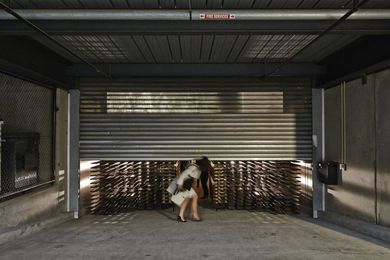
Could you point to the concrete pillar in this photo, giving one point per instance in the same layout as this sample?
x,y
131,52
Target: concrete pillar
x,y
61,154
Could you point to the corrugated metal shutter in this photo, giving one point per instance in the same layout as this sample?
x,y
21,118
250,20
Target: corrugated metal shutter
x,y
165,119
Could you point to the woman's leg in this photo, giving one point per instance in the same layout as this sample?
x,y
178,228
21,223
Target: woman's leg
x,y
183,208
194,207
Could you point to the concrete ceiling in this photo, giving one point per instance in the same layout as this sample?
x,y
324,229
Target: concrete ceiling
x,y
195,4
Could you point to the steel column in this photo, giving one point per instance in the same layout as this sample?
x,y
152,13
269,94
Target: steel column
x,y
318,149
73,174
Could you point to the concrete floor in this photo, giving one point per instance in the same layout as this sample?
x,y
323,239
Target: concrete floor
x,y
222,235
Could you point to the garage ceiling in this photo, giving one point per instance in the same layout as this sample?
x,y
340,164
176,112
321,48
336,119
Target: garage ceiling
x,y
195,4
198,48
253,47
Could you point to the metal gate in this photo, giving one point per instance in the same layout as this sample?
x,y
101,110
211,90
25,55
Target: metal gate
x,y
179,119
27,153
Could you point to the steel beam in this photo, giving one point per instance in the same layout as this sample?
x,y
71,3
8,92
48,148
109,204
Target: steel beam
x,y
190,27
187,70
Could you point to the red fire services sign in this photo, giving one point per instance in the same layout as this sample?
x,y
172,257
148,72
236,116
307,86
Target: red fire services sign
x,y
217,16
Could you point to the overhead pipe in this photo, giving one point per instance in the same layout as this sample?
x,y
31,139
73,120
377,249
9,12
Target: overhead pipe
x,y
291,14
100,14
197,15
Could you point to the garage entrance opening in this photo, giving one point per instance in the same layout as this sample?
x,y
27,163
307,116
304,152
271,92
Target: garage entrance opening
x,y
139,130
122,186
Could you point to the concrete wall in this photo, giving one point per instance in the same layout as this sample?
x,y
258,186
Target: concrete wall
x,y
48,201
382,83
29,208
365,186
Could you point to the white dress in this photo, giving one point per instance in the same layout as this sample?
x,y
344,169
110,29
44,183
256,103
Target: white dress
x,y
192,171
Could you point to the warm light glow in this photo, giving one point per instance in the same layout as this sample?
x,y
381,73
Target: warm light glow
x,y
85,183
306,181
86,165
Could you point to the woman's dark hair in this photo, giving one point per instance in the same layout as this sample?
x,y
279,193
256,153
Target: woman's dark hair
x,y
203,163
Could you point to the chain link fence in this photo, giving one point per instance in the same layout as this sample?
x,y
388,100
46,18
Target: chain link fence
x,y
27,136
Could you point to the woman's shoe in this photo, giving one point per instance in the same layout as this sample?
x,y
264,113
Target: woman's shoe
x,y
196,219
180,220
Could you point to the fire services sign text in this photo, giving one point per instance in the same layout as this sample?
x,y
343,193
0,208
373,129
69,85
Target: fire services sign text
x,y
217,16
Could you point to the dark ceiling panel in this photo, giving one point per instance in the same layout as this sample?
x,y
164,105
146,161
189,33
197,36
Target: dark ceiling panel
x,y
181,4
195,4
169,4
253,47
378,3
215,4
245,4
201,48
277,4
333,4
175,48
238,47
222,47
186,47
231,4
120,4
324,47
159,47
95,4
196,47
308,4
261,3
129,48
292,3
144,47
207,46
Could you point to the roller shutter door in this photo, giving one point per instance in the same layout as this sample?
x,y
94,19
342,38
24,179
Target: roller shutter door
x,y
166,119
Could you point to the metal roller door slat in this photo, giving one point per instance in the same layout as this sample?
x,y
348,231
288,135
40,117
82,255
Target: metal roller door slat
x,y
165,119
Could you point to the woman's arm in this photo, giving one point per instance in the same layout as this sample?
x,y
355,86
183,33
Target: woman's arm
x,y
184,175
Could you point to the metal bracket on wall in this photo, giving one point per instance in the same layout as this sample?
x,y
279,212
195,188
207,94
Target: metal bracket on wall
x,y
343,166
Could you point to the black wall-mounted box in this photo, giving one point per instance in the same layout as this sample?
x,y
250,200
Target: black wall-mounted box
x,y
329,172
